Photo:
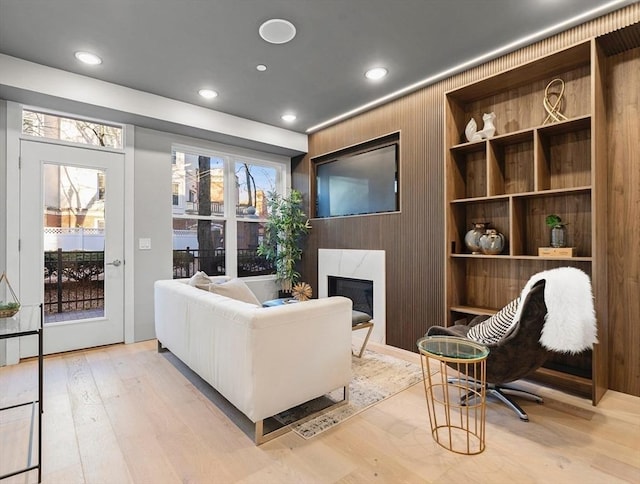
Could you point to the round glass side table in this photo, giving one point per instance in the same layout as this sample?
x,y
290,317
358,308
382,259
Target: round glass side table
x,y
454,372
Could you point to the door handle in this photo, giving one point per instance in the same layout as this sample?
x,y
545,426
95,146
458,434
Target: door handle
x,y
115,263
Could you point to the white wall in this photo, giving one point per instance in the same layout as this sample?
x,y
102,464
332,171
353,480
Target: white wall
x,y
3,207
151,219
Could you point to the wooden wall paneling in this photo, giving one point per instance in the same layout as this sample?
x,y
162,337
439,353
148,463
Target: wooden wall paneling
x,y
622,226
416,275
599,215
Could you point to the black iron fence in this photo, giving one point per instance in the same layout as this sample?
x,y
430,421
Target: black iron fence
x,y
73,280
186,262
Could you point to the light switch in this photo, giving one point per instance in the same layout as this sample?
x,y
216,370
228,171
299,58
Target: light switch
x,y
144,244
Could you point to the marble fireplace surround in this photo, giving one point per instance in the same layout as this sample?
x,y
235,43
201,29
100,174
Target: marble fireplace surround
x,y
357,264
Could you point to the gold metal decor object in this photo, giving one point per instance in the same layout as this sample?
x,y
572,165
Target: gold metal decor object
x,y
8,309
302,291
553,110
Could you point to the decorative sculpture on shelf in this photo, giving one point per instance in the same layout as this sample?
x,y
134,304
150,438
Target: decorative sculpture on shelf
x,y
472,237
488,130
492,242
471,131
553,110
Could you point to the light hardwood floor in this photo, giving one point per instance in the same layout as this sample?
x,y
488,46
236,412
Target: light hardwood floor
x,y
125,414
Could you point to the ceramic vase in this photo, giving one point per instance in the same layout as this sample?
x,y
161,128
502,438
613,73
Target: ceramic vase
x,y
492,242
472,238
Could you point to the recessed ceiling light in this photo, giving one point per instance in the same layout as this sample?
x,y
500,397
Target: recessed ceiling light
x,y
277,31
289,118
376,73
261,67
88,58
208,93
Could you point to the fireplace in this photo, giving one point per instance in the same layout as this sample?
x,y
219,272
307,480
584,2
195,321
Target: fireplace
x,y
360,291
357,265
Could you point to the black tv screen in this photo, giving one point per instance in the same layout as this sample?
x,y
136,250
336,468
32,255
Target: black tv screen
x,y
358,184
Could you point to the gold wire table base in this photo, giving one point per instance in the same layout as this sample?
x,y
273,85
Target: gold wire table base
x,y
456,403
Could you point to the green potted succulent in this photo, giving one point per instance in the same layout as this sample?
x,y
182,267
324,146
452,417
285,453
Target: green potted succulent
x,y
558,230
8,308
286,226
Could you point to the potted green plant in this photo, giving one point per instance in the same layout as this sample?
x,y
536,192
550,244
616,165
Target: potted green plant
x,y
286,226
558,230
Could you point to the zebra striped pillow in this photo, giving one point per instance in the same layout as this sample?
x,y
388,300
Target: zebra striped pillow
x,y
496,327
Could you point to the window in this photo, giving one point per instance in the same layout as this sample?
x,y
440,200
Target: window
x,y
176,194
221,225
44,125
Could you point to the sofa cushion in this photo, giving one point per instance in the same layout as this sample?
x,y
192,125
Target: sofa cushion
x,y
496,327
235,289
200,279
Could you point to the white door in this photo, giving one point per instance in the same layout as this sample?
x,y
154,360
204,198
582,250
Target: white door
x,y
72,244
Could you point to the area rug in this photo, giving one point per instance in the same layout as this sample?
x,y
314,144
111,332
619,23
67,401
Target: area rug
x,y
375,378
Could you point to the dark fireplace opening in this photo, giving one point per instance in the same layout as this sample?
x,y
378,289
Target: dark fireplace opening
x,y
360,291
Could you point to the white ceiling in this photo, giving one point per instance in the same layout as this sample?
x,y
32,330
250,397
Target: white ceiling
x,y
173,48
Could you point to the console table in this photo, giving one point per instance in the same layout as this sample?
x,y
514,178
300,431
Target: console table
x,y
27,322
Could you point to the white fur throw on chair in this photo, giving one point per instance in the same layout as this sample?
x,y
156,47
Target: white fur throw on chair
x,y
570,325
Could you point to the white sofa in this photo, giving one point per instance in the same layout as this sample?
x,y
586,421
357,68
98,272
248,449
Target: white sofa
x,y
263,360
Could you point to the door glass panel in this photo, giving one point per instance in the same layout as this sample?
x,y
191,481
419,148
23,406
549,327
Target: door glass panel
x,y
74,226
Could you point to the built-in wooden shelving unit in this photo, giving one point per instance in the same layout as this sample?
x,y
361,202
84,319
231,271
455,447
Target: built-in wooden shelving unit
x,y
514,179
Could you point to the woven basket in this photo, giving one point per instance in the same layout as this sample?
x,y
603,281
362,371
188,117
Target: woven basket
x,y
7,313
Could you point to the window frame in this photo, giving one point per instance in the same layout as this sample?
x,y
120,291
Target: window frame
x,y
230,218
72,117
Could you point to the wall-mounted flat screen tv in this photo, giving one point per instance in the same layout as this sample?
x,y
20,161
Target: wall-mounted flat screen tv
x,y
357,184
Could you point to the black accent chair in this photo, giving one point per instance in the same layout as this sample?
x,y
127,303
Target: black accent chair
x,y
514,356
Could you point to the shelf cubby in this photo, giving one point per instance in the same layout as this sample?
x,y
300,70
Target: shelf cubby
x,y
564,155
469,171
495,212
510,164
529,228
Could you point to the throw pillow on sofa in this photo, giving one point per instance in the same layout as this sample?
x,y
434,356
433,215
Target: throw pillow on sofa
x,y
199,279
202,281
235,289
497,326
